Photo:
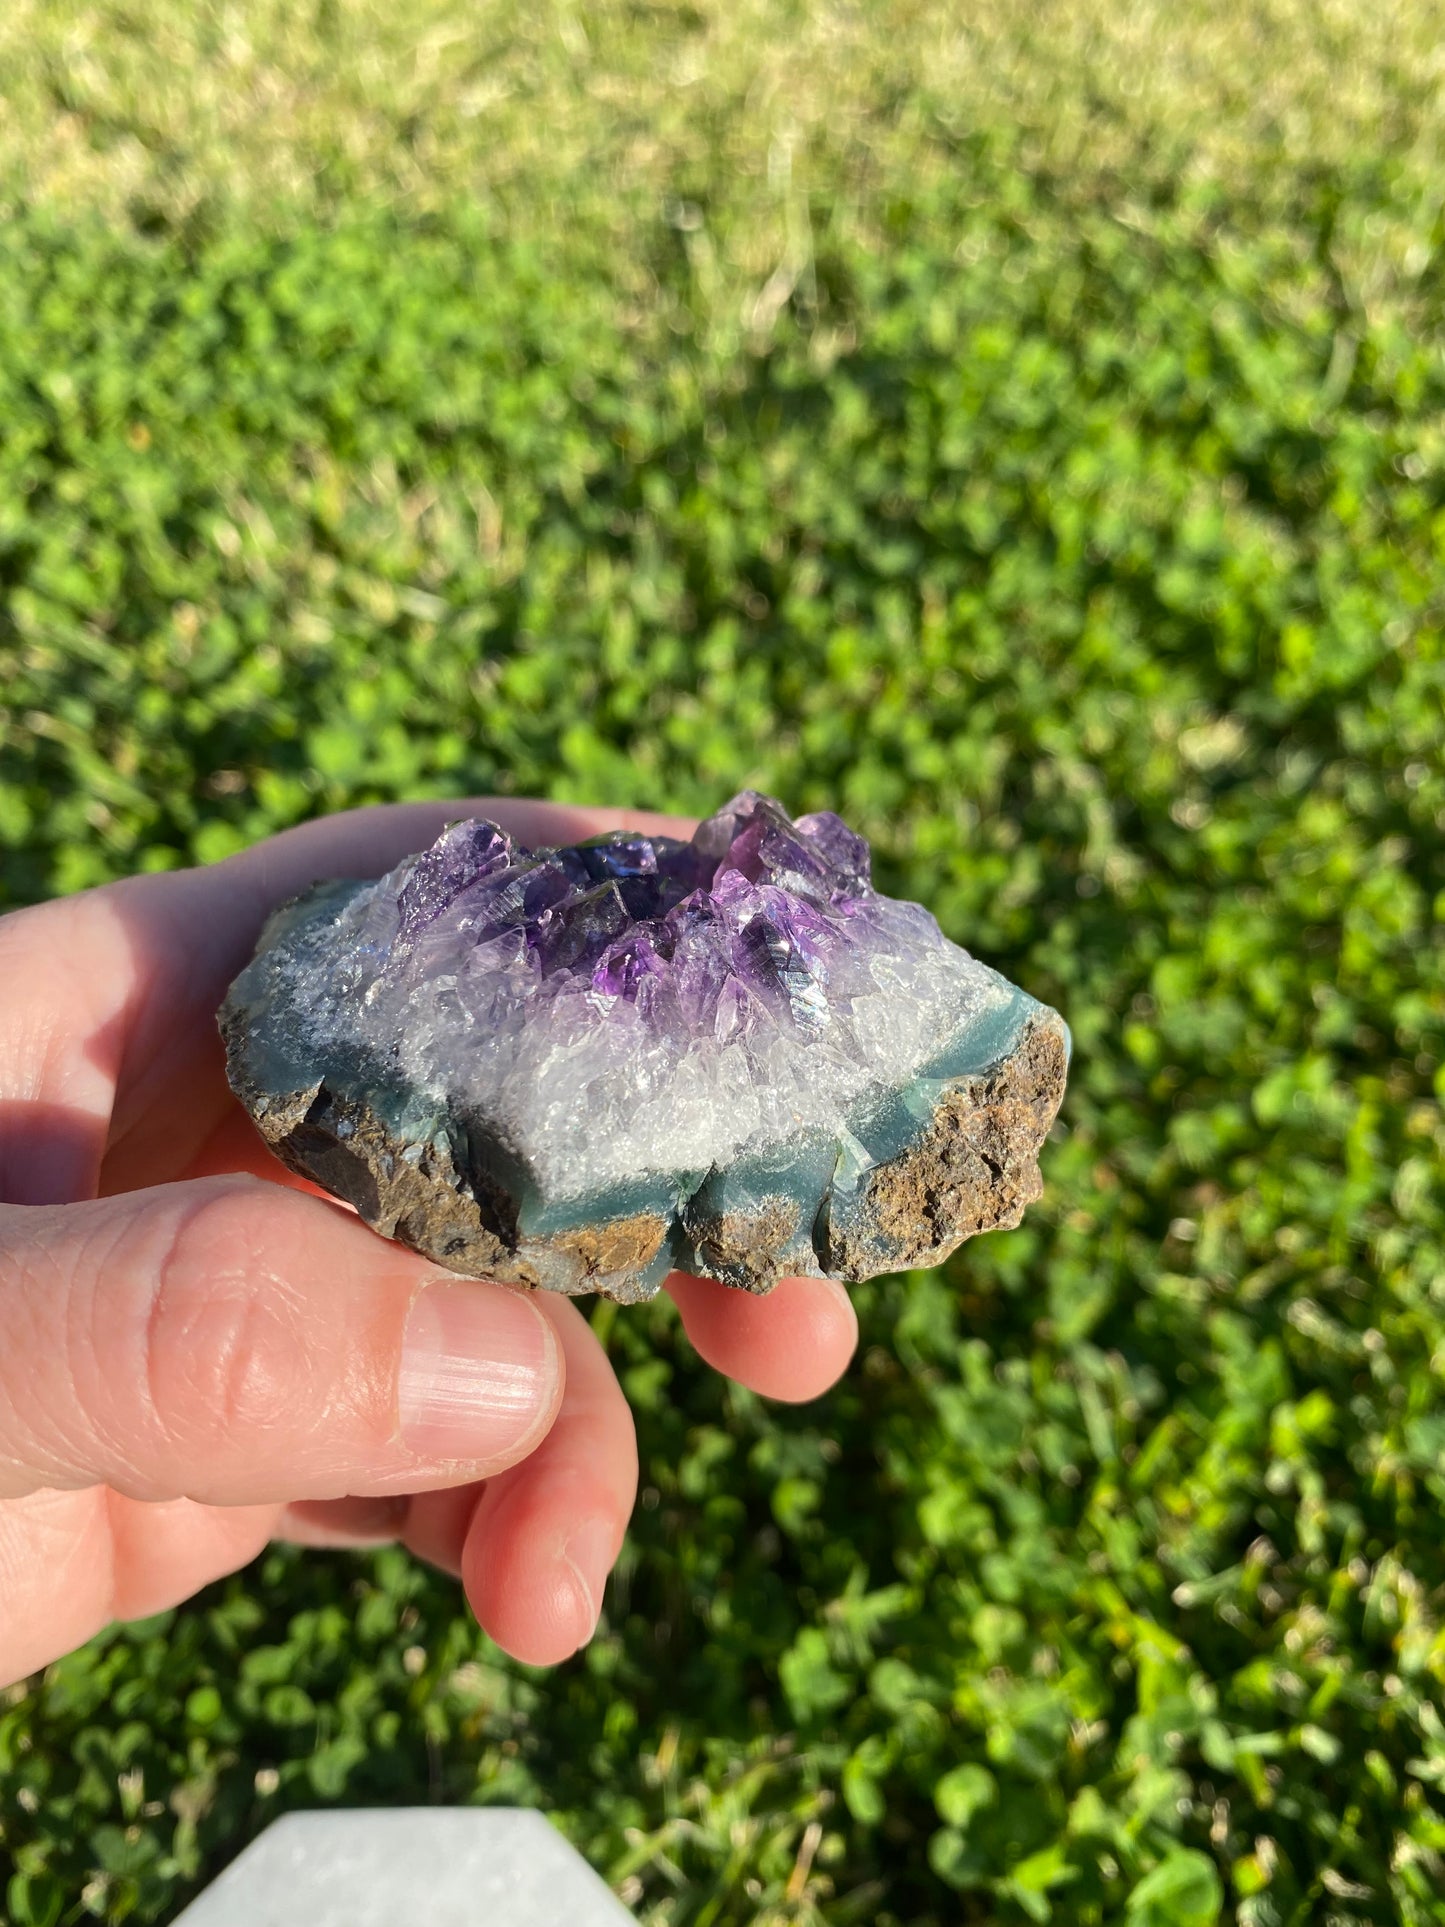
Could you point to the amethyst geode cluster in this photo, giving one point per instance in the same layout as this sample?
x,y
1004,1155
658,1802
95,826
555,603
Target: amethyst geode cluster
x,y
582,1068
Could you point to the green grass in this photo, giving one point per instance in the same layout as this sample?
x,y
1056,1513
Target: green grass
x,y
1030,440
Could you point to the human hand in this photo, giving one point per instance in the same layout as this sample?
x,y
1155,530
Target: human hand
x,y
199,1352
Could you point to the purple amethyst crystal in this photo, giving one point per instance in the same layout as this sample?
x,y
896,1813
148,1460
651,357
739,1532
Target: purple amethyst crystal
x,y
580,1068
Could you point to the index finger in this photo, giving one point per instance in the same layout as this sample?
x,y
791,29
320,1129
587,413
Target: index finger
x,y
791,1345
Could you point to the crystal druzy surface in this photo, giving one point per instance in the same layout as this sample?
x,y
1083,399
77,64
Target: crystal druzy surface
x,y
580,1068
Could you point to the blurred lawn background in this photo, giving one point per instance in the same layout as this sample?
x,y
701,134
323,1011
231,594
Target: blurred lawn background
x,y
1022,430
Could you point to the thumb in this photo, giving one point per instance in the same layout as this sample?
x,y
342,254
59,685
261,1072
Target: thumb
x,y
238,1342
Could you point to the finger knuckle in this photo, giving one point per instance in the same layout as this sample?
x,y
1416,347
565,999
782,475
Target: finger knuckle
x,y
225,1336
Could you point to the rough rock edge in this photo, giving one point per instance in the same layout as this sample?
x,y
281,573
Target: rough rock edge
x,y
747,1249
974,1169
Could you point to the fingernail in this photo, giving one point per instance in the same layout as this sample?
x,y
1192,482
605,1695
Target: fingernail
x,y
590,1552
479,1369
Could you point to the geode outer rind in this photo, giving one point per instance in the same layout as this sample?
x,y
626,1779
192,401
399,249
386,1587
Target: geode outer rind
x,y
920,1155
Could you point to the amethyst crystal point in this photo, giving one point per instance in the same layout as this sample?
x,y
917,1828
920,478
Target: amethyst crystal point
x,y
579,1068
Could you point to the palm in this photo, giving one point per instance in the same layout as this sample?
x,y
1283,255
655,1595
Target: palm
x,y
112,1080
